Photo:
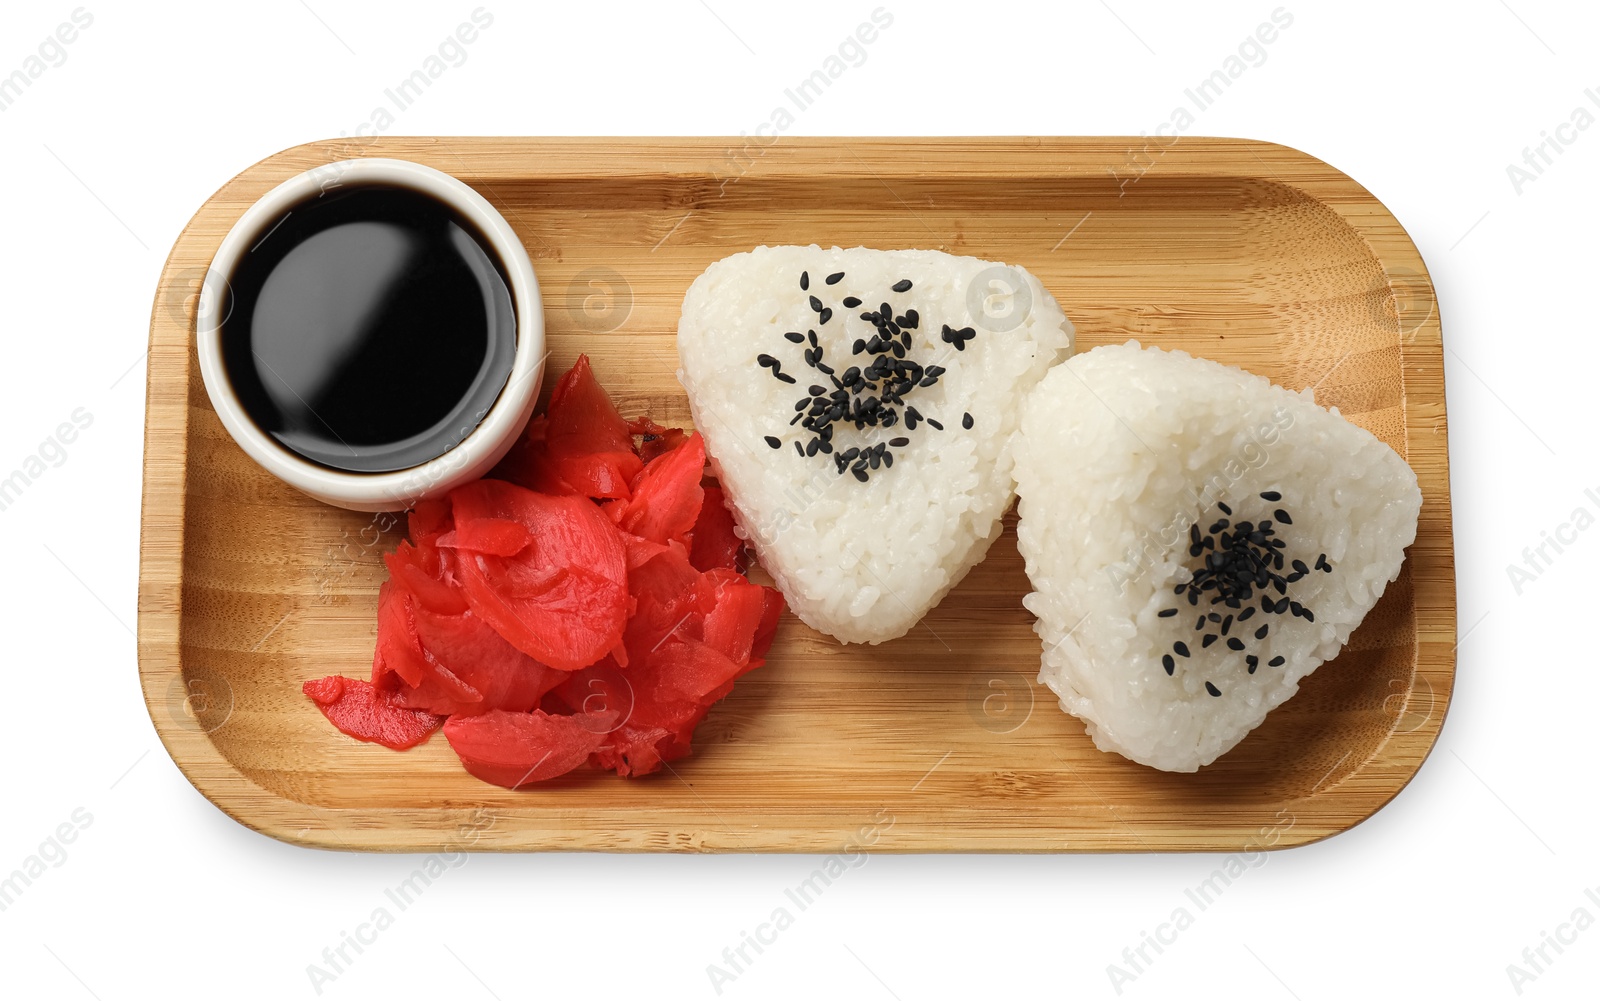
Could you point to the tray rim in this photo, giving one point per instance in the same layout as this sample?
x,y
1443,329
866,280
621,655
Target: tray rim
x,y
163,499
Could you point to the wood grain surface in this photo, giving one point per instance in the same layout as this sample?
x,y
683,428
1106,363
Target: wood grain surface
x,y
1245,252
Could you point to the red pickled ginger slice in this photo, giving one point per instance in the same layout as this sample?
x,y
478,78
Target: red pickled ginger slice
x,y
563,598
666,496
715,544
518,749
361,711
587,440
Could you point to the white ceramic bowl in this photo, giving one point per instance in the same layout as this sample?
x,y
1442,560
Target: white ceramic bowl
x,y
470,458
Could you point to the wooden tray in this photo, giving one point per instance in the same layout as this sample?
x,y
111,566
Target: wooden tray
x,y
1245,252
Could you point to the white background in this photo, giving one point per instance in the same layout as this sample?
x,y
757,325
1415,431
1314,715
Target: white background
x,y
107,155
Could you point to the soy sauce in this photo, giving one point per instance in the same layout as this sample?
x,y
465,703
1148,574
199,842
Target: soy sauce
x,y
370,329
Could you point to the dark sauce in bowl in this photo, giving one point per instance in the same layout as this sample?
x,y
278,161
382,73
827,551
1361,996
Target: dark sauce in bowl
x,y
370,329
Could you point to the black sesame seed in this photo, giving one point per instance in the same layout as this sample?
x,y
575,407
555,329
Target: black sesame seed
x,y
935,424
1283,516
1167,613
825,315
851,302
805,280
1261,633
1282,606
966,421
794,337
1247,613
1207,640
833,279
1180,648
1168,663
1225,509
766,361
1310,616
775,443
816,304
783,376
860,474
903,285
1200,623
811,335
800,449
1213,690
1225,624
1251,661
1272,495
1275,662
1235,643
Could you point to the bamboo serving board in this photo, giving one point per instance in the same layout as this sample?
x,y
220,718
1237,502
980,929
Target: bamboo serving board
x,y
1245,252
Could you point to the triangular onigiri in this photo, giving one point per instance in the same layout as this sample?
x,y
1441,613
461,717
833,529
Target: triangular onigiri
x,y
857,406
1198,540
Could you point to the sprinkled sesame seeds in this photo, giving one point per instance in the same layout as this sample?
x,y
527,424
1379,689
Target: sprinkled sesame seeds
x,y
1215,692
773,442
957,338
1238,563
1168,663
805,280
867,395
794,337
